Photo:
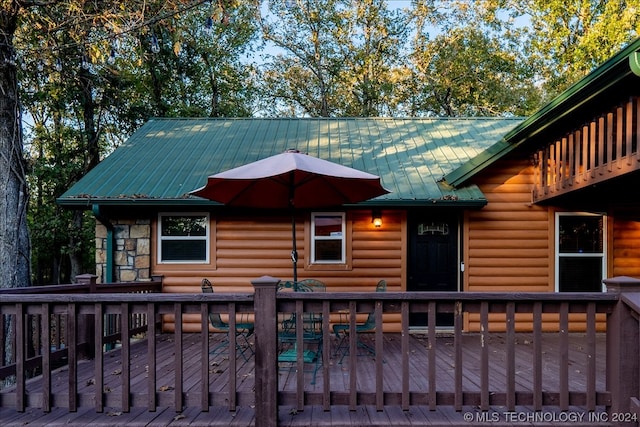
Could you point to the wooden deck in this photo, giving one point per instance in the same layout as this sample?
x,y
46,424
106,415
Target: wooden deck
x,y
339,377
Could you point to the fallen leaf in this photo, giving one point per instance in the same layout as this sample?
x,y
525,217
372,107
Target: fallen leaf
x,y
114,414
165,388
179,417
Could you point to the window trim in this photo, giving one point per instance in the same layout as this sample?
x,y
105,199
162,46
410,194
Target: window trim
x,y
308,243
206,238
559,255
343,238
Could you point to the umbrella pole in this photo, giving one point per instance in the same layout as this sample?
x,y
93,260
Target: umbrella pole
x,y
294,251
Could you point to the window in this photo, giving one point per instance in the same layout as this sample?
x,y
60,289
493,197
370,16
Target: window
x,y
183,238
328,238
580,261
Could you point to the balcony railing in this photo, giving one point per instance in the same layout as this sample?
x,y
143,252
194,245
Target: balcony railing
x,y
605,148
191,373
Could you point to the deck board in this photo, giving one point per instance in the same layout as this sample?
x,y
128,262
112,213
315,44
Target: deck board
x,y
313,413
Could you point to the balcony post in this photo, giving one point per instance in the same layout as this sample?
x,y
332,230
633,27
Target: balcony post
x,y
622,347
266,358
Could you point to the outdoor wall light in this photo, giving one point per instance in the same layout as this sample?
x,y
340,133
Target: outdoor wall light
x,y
376,218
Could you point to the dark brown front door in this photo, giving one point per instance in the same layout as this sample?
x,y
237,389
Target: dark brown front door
x,y
433,258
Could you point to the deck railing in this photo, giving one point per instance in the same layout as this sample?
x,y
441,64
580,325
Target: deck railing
x,y
619,393
45,330
16,308
458,305
623,349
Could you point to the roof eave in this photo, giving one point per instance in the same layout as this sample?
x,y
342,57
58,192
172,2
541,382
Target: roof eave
x,y
88,203
457,203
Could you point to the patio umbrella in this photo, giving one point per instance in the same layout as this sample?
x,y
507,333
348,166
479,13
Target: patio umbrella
x,y
291,180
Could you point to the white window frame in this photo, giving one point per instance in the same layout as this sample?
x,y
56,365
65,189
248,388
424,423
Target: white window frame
x,y
343,238
559,255
206,237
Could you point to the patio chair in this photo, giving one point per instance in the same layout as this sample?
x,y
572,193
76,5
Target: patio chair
x,y
306,285
312,329
243,329
341,330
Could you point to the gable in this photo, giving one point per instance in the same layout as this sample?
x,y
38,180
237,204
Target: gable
x,y
167,158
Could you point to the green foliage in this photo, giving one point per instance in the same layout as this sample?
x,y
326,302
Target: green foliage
x,y
372,46
473,66
569,39
89,77
468,73
303,79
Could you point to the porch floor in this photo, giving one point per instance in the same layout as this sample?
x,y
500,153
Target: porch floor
x,y
339,415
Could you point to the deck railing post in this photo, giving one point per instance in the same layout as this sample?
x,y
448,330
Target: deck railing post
x,y
86,337
266,359
623,365
89,280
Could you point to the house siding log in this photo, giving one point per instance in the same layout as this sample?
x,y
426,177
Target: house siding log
x,y
507,241
247,248
507,246
626,244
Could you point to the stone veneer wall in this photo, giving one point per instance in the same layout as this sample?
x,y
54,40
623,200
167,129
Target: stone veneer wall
x,y
132,250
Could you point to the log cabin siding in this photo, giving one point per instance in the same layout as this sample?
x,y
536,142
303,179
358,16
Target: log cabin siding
x,y
247,248
507,243
509,246
625,253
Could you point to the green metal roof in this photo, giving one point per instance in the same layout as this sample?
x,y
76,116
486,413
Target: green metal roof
x,y
167,158
615,79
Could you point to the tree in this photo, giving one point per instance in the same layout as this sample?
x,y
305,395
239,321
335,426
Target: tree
x,y
302,80
67,98
569,39
15,249
335,58
466,73
372,45
472,67
96,76
197,69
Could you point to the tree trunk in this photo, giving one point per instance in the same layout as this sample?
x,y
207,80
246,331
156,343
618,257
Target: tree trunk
x,y
14,237
92,158
75,255
15,249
